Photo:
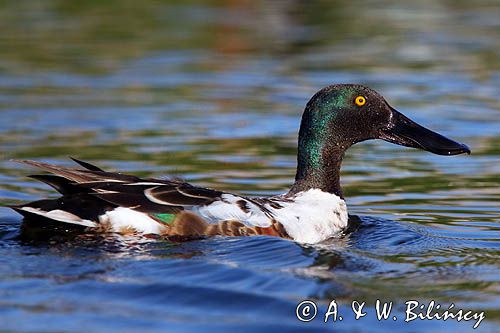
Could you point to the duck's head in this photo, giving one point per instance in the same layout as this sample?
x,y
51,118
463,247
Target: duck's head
x,y
339,116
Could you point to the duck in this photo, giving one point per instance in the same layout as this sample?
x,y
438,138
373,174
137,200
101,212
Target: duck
x,y
313,210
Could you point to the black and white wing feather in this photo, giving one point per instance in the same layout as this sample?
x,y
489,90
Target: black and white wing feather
x,y
141,194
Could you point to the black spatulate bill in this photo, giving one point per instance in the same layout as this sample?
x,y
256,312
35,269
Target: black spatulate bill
x,y
405,132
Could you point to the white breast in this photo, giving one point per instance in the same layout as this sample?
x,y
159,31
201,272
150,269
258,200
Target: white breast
x,y
312,216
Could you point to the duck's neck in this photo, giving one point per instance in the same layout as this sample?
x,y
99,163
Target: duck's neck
x,y
324,176
318,160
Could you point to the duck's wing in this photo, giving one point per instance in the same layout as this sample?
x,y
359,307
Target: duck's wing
x,y
91,173
186,208
141,194
153,196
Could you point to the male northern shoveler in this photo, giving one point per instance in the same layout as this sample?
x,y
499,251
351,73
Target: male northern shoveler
x,y
313,210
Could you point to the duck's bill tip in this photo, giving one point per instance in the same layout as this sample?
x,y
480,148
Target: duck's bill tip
x,y
450,152
405,132
462,149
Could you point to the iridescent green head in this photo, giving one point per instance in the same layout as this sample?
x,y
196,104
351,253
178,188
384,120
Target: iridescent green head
x,y
341,115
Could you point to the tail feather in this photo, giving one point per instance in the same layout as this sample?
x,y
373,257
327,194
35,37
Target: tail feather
x,y
60,184
80,175
79,209
76,175
87,165
32,214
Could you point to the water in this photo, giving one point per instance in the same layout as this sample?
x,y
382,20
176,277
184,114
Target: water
x,y
213,92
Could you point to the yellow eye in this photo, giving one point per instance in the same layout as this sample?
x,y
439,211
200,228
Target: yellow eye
x,y
360,101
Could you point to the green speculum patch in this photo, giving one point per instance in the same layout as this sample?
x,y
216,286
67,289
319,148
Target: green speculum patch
x,y
164,218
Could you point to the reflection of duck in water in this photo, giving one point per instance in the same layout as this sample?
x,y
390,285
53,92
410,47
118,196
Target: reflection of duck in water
x,y
313,210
